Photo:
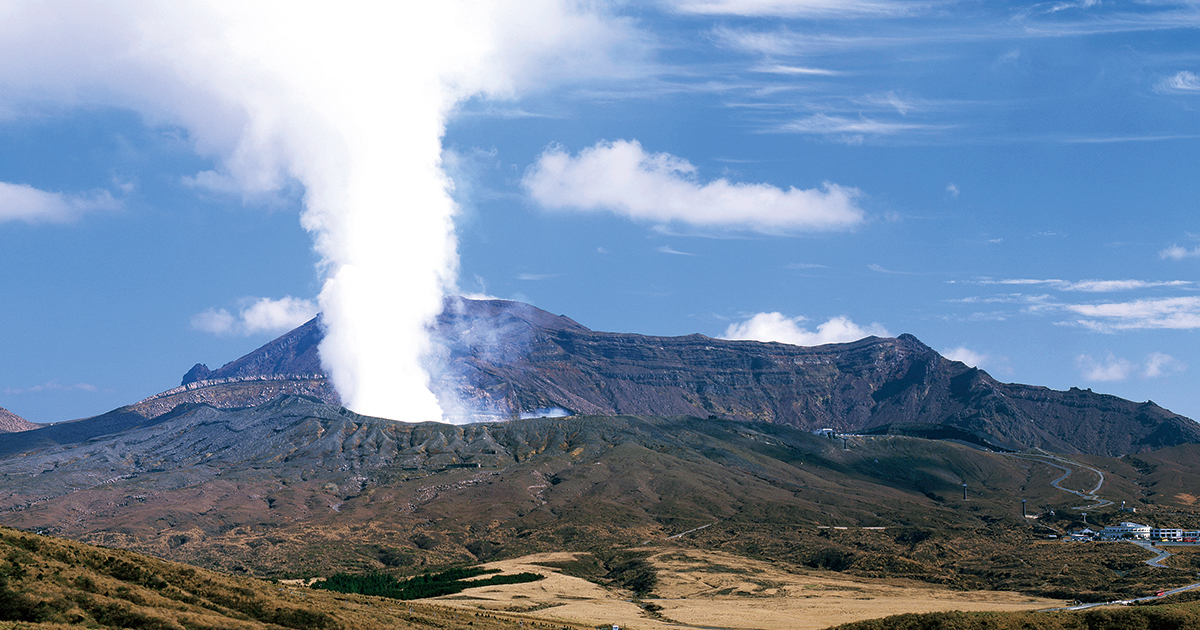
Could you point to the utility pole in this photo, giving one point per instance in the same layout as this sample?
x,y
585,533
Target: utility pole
x,y
845,443
964,492
1023,514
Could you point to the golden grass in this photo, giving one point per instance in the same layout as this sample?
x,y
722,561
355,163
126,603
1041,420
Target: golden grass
x,y
702,589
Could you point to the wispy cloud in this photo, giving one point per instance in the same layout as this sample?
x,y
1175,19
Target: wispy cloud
x,y
51,386
829,9
256,315
879,269
666,249
533,277
1087,286
1036,300
777,327
891,100
824,124
620,177
1181,82
1176,313
794,70
21,202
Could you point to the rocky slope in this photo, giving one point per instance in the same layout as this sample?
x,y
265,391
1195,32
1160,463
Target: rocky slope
x,y
12,423
499,360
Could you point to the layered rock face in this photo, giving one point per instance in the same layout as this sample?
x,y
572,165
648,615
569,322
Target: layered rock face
x,y
498,359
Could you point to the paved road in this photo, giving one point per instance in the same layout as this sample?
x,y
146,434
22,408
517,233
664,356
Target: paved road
x,y
692,530
1158,560
1126,602
1064,464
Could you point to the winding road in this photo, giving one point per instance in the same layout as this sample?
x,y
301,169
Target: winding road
x,y
1062,463
1156,561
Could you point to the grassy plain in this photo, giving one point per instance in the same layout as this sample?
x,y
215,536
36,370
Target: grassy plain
x,y
704,589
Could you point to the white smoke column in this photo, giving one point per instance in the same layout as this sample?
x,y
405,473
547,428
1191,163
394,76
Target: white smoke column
x,y
373,83
350,99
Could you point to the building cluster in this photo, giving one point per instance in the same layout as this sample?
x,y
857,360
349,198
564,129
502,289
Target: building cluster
x,y
1136,531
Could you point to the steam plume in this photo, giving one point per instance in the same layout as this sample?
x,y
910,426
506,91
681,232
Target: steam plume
x,y
348,99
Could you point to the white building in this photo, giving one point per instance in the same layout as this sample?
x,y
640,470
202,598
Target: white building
x,y
1128,530
1166,533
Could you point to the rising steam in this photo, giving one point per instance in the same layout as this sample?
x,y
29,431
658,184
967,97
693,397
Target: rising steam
x,y
348,99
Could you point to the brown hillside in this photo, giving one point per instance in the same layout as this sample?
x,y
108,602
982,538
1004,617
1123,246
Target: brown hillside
x,y
52,583
296,486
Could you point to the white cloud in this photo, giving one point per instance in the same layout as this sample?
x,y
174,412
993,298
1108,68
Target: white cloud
x,y
1182,81
536,276
966,355
21,202
1176,252
1179,313
777,327
1112,368
952,190
256,315
1160,364
666,249
622,178
790,8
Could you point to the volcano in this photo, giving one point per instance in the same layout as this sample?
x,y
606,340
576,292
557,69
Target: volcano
x,y
498,359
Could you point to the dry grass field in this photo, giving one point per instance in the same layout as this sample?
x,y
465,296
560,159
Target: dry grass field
x,y
701,589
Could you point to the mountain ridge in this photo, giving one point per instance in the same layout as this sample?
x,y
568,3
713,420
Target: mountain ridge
x,y
496,360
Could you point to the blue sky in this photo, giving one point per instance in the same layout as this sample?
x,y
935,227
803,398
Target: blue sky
x,y
1013,183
